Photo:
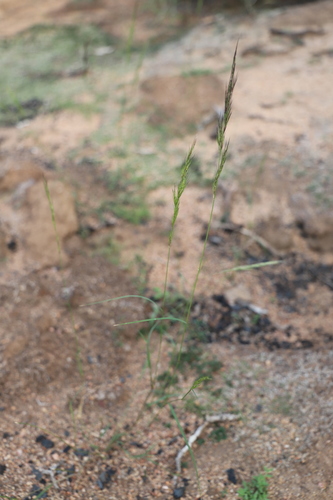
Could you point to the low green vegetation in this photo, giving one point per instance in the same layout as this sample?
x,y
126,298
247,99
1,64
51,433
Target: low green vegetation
x,y
218,434
128,196
256,488
51,71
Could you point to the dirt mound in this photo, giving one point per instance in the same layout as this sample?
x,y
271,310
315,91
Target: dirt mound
x,y
26,220
181,102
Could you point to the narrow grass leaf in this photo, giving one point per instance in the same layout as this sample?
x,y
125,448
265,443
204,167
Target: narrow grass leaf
x,y
223,150
114,440
147,320
53,217
252,266
44,490
119,298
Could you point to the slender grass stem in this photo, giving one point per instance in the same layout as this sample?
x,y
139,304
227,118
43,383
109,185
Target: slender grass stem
x,y
223,150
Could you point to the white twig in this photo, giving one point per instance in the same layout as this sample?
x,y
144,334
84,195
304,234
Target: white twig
x,y
50,473
221,417
191,440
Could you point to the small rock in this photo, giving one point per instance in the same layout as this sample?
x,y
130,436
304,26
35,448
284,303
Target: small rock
x,y
70,471
215,240
179,492
45,442
231,476
37,473
81,452
3,468
105,477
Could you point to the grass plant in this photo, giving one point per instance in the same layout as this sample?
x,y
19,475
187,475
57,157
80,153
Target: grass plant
x,y
167,308
256,488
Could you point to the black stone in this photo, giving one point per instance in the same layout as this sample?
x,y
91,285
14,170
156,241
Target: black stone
x,y
3,468
135,443
232,476
105,478
12,245
81,452
179,492
45,442
66,449
37,473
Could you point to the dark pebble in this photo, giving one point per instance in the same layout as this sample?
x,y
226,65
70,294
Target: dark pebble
x,y
37,473
66,449
105,477
232,476
45,442
100,484
173,440
258,408
12,245
81,452
215,240
3,468
135,443
5,435
70,472
179,492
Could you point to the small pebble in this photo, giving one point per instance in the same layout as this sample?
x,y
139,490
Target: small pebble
x,y
45,442
179,492
81,452
232,476
105,477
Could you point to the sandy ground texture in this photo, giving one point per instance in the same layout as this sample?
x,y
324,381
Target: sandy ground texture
x,y
78,419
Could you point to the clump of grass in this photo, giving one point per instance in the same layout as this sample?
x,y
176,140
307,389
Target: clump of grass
x,y
256,488
218,434
191,356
